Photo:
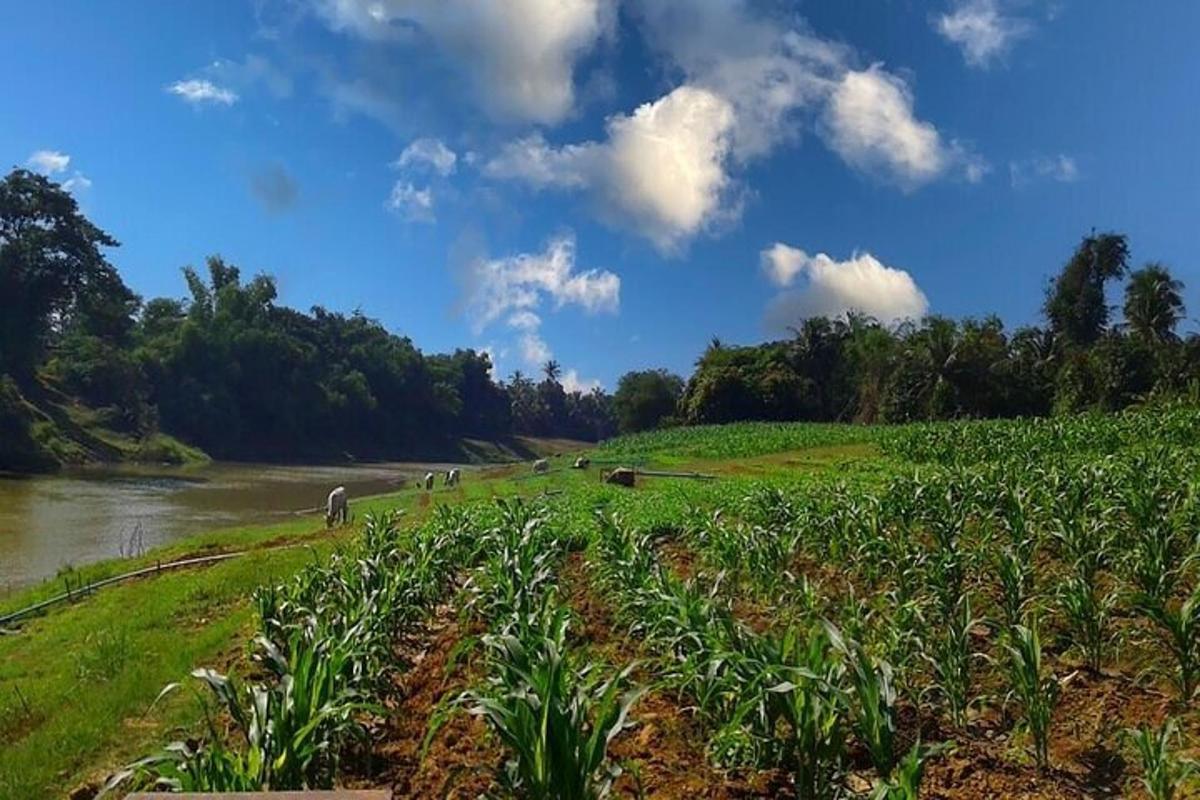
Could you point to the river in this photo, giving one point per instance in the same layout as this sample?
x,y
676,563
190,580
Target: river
x,y
75,517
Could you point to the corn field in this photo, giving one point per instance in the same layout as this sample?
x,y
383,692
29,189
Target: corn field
x,y
1009,609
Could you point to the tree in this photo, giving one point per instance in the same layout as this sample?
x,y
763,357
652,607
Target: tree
x,y
1075,304
52,272
1153,303
644,399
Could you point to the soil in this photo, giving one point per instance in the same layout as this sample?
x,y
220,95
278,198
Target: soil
x,y
461,756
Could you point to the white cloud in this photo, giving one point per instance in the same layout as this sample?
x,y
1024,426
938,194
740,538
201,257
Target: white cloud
x,y
982,30
571,382
525,321
52,162
534,349
661,171
519,55
411,203
870,123
515,284
767,69
746,84
428,153
832,288
199,91
48,162
77,183
1061,168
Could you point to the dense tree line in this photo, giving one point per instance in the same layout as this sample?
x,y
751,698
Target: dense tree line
x,y
856,369
228,369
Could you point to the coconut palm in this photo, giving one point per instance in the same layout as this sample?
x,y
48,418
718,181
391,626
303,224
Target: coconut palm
x,y
1153,303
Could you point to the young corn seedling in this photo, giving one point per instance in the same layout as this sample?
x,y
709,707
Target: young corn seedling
x,y
950,655
874,708
1088,613
1181,624
1036,691
1164,772
556,722
905,780
1015,572
795,709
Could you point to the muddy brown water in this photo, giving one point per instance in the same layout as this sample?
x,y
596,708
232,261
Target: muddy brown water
x,y
85,515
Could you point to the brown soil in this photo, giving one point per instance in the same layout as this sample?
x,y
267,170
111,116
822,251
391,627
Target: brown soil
x,y
461,756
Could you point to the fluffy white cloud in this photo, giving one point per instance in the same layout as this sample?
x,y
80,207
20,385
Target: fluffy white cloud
x,y
749,83
48,162
198,91
832,288
411,203
515,284
428,153
52,162
519,55
77,183
1061,168
661,171
981,29
870,123
534,349
767,69
571,382
525,321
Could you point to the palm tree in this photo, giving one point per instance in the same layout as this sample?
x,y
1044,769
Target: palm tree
x,y
552,369
1153,303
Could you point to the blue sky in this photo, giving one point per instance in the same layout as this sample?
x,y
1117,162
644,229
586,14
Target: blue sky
x,y
613,182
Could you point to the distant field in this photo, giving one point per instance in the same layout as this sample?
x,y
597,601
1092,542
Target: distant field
x,y
738,440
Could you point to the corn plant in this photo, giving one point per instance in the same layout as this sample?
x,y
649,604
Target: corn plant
x,y
905,780
1181,626
1036,691
794,708
557,722
1088,614
1015,572
950,653
1164,773
874,708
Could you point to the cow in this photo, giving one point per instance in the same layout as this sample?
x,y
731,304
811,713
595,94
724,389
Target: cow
x,y
337,507
541,465
583,462
429,481
452,477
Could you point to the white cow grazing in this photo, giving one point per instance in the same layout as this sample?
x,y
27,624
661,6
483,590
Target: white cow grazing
x,y
429,481
452,477
337,507
541,465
